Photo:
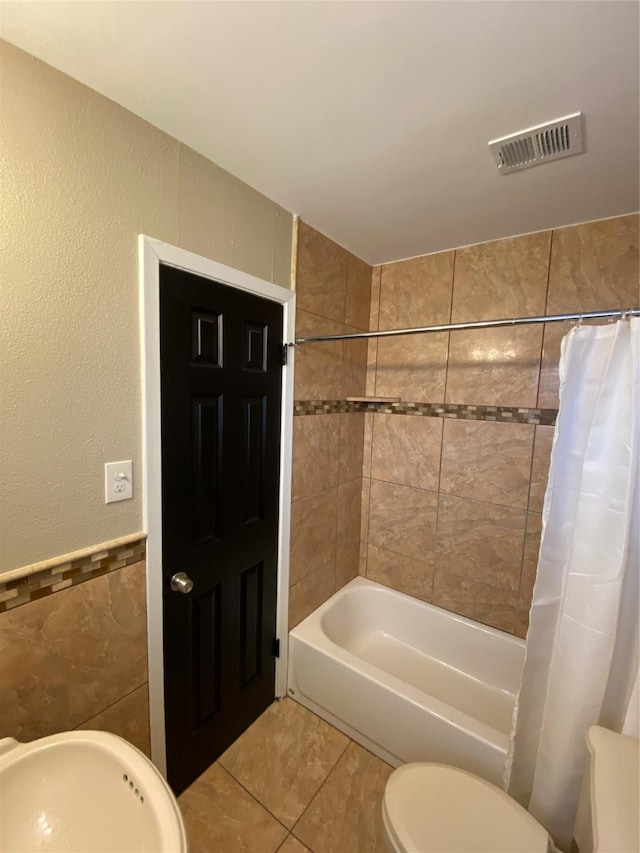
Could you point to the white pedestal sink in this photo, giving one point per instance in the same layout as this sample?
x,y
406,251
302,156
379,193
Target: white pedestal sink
x,y
85,792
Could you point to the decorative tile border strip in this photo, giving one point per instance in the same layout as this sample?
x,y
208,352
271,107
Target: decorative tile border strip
x,y
500,414
30,583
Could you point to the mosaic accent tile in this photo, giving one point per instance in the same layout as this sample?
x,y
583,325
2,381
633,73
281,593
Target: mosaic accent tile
x,y
501,414
35,585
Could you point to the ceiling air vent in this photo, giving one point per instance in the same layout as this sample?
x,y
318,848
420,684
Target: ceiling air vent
x,y
537,145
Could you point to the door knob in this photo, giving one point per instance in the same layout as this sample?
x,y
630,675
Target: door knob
x,y
181,582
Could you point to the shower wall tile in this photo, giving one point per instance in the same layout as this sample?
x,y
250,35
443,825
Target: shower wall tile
x,y
313,534
358,298
529,569
374,309
334,296
595,266
416,292
406,450
504,278
495,606
351,445
413,368
69,656
487,461
348,532
487,543
540,467
413,577
402,519
549,379
312,591
321,274
354,370
479,540
501,365
368,444
316,455
318,367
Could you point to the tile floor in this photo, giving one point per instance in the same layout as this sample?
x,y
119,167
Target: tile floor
x,y
290,783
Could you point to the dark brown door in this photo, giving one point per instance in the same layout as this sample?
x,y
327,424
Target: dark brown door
x,y
221,357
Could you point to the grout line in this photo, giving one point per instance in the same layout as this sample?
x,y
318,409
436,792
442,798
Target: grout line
x,y
322,784
126,695
253,796
435,532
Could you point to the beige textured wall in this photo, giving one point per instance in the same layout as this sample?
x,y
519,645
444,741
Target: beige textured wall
x,y
81,178
333,293
451,509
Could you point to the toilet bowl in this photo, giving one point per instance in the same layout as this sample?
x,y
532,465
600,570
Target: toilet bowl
x,y
435,808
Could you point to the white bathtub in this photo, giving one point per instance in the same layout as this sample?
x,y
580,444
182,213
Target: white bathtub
x,y
407,680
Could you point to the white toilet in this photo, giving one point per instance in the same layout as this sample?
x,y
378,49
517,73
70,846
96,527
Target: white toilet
x,y
434,808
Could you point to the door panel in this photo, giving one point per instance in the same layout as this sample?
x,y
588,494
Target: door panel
x,y
220,353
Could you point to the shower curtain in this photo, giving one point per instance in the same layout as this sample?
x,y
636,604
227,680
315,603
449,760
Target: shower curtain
x,y
581,663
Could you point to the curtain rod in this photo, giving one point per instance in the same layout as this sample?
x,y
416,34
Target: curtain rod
x,y
479,324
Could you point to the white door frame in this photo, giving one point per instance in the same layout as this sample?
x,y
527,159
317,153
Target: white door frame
x,y
151,253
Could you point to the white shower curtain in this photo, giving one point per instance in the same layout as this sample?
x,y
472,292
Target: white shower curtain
x,y
582,647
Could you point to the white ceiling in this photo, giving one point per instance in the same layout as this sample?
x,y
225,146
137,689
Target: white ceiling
x,y
371,119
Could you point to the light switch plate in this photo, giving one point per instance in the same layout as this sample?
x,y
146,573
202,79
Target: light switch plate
x,y
118,481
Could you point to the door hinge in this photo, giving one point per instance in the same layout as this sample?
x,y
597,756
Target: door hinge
x,y
276,648
285,348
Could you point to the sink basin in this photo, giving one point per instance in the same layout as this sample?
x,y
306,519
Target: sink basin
x,y
89,792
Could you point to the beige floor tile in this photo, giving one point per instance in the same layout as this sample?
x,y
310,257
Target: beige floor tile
x,y
345,816
284,758
292,845
220,816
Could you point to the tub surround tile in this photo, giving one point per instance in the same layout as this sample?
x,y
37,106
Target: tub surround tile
x,y
313,534
316,455
365,504
487,461
384,406
413,367
348,532
416,292
531,551
312,591
345,815
220,815
354,372
407,451
595,266
481,540
284,758
73,654
367,444
491,605
128,718
351,446
358,297
318,367
413,577
374,311
502,279
321,279
501,365
540,467
402,519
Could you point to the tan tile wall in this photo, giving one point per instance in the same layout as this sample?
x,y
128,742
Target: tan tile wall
x,y
78,659
333,293
451,509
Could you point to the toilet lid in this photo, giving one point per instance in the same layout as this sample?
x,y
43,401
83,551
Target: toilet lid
x,y
434,807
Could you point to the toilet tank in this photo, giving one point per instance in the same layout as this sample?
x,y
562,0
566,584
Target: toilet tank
x,y
608,813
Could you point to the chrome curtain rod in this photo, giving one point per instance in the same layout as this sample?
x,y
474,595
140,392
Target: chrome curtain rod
x,y
479,324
